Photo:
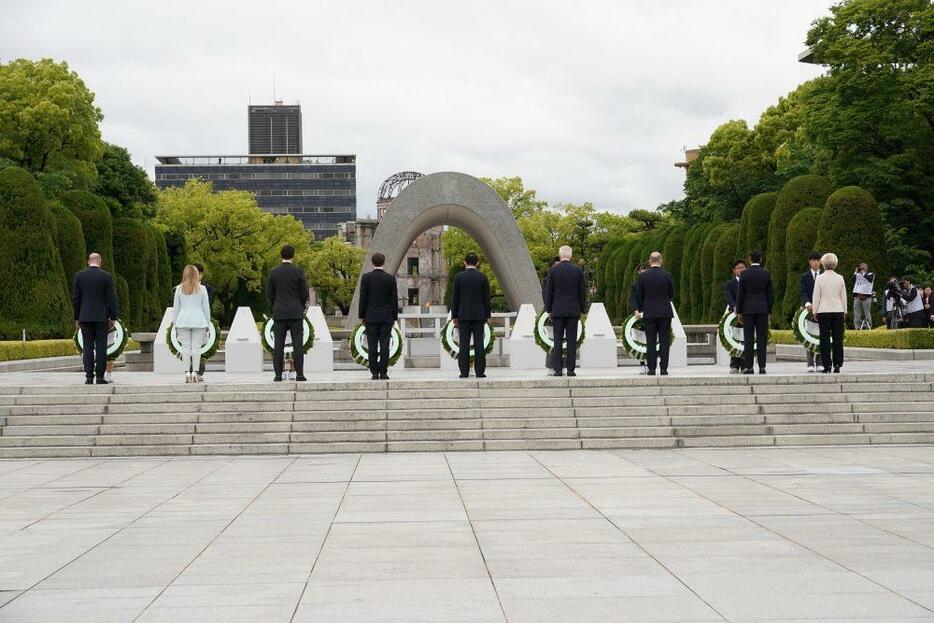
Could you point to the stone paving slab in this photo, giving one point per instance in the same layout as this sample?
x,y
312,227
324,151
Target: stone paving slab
x,y
730,534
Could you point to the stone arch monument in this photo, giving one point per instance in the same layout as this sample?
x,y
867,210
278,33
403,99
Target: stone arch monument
x,y
462,201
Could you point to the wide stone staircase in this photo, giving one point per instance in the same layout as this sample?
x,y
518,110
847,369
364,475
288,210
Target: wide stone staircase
x,y
380,416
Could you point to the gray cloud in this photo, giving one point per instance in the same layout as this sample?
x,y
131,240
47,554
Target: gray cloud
x,y
585,101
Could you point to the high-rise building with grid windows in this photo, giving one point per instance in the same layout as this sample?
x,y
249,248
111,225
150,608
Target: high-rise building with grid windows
x,y
275,129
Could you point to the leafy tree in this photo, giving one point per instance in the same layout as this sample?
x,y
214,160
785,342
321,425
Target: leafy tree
x,y
126,184
48,120
334,270
35,292
235,241
95,221
521,200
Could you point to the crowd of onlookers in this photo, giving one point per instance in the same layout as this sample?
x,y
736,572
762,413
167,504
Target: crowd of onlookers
x,y
906,305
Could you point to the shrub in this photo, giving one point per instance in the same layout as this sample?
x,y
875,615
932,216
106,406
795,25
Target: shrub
x,y
723,256
69,238
35,295
706,266
131,249
754,226
851,227
695,283
39,349
177,247
799,241
96,222
688,259
673,251
804,191
876,338
123,297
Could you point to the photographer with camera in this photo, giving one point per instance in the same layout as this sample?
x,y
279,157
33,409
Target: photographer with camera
x,y
914,305
862,297
894,310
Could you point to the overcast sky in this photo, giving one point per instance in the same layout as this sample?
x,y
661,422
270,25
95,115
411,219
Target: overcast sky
x,y
586,101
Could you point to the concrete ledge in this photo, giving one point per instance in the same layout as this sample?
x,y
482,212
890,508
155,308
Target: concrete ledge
x,y
789,352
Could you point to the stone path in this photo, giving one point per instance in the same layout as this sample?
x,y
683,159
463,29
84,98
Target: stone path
x,y
626,535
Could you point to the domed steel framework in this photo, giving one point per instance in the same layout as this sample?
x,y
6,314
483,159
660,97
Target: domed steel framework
x,y
394,184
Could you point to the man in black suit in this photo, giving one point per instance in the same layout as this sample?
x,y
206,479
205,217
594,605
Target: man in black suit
x,y
378,310
287,291
210,289
565,300
655,290
94,301
753,306
634,305
806,292
554,262
470,310
730,290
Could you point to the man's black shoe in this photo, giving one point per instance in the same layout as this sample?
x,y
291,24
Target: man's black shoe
x,y
374,377
650,373
825,371
558,373
572,373
462,376
481,376
748,371
300,378
102,382
89,381
277,379
664,372
836,370
761,370
383,376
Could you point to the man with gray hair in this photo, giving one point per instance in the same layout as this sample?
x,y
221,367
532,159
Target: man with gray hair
x,y
94,301
655,290
565,300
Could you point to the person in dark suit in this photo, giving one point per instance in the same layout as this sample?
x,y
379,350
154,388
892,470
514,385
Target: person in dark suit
x,y
94,301
210,290
287,291
754,301
634,305
378,310
655,290
565,300
470,310
730,290
548,362
806,294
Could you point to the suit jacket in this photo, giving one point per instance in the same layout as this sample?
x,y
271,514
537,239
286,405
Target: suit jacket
x,y
470,300
633,298
379,298
830,293
287,291
566,292
93,297
806,287
730,289
655,290
754,294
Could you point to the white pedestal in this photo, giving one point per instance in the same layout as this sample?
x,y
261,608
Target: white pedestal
x,y
163,361
524,353
320,358
599,347
447,362
243,350
678,355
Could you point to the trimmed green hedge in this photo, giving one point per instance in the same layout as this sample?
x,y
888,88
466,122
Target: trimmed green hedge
x,y
69,237
39,349
708,250
723,257
131,248
804,191
851,227
96,222
34,294
799,241
754,226
913,339
673,252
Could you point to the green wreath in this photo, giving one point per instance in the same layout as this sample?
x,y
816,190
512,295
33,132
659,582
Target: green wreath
x,y
121,337
545,341
801,329
725,332
635,346
453,348
360,353
269,344
210,347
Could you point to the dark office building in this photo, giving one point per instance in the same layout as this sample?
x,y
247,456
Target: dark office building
x,y
275,129
320,191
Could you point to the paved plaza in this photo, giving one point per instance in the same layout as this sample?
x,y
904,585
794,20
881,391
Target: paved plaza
x,y
626,535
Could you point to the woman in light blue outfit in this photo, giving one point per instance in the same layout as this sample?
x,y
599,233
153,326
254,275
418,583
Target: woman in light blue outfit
x,y
192,317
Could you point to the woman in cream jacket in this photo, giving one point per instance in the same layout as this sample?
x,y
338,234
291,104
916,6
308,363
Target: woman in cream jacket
x,y
192,317
828,304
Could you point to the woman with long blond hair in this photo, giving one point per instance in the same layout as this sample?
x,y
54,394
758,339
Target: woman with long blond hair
x,y
192,317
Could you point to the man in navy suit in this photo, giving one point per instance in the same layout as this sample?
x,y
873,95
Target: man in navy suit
x,y
94,301
471,307
754,301
655,291
565,300
730,290
379,310
805,292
